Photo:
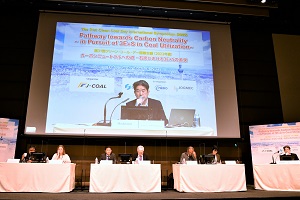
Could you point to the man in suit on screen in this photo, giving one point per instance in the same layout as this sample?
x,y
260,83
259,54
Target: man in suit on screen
x,y
141,92
287,154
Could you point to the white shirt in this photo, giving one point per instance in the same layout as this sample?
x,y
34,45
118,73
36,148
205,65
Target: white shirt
x,y
136,103
65,158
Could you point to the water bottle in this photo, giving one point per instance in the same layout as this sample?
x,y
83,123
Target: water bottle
x,y
47,160
183,161
96,160
196,120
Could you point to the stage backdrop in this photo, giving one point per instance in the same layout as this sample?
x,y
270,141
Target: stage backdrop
x,y
267,141
8,138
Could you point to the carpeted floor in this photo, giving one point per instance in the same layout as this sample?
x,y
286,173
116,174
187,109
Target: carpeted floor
x,y
251,193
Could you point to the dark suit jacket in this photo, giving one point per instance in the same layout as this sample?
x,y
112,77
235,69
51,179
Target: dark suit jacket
x,y
145,156
111,157
156,111
293,156
218,157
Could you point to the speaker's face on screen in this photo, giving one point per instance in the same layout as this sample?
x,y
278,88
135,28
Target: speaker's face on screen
x,y
287,150
141,91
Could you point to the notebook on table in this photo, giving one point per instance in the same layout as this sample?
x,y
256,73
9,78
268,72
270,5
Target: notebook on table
x,y
181,118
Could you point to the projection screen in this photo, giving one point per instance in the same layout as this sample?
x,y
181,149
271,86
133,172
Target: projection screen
x,y
85,66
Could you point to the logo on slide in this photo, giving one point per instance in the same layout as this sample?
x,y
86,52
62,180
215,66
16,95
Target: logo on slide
x,y
159,88
87,85
183,88
82,84
128,87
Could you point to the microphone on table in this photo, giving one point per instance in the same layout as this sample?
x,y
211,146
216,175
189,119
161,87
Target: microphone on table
x,y
273,160
115,109
104,112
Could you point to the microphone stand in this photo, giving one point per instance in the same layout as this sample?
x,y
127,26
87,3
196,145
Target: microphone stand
x,y
115,109
274,160
104,118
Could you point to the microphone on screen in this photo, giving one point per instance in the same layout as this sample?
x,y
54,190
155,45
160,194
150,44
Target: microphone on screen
x,y
115,109
274,159
139,101
104,112
276,152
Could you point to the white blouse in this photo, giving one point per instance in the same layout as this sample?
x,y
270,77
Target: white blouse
x,y
65,158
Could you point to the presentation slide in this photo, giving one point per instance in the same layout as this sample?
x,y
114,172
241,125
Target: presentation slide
x,y
91,75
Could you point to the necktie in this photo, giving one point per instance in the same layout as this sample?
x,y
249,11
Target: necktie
x,y
140,158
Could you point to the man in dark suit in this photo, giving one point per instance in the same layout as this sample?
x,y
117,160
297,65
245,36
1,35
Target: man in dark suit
x,y
140,155
287,152
108,155
141,92
215,154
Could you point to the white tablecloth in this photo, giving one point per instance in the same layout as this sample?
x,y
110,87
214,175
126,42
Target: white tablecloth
x,y
125,178
209,178
37,177
277,177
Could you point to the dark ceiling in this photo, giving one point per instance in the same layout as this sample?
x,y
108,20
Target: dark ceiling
x,y
281,15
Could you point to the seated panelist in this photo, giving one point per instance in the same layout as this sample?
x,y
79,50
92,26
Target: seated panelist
x,y
215,154
61,155
140,155
189,155
26,157
108,155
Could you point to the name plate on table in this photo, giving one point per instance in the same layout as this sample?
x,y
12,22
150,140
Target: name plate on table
x,y
151,124
125,124
288,162
137,124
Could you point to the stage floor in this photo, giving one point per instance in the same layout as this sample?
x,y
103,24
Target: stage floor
x,y
84,194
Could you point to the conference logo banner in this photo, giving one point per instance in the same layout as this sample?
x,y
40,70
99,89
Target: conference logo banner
x,y
267,141
8,138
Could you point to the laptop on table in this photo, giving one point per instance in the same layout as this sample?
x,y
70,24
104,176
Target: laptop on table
x,y
181,118
135,112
